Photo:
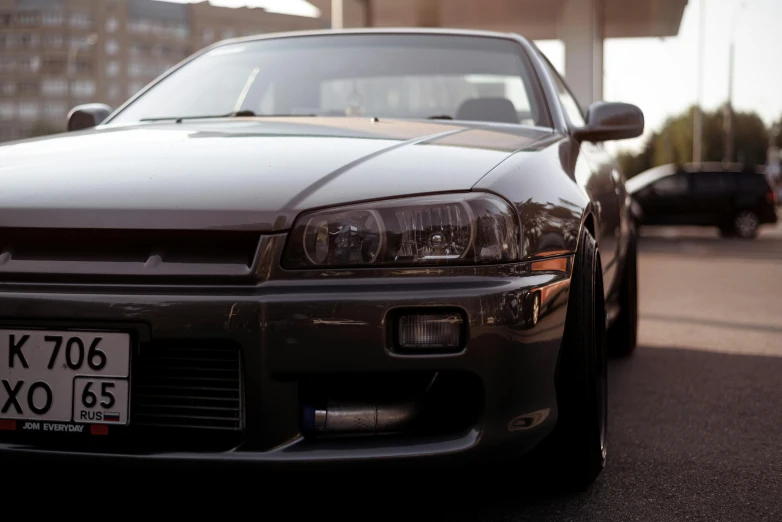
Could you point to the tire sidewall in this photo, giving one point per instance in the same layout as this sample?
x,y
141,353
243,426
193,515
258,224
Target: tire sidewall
x,y
580,438
623,334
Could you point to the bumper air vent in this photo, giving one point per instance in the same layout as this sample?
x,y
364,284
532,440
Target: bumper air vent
x,y
194,385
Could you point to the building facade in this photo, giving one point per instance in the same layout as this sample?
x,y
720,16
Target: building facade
x,y
55,54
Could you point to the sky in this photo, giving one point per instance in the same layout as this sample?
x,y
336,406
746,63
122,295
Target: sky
x,y
660,75
294,7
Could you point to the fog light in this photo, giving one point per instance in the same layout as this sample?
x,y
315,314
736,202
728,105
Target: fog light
x,y
430,332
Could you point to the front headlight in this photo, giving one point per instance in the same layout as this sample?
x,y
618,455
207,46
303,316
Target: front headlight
x,y
465,229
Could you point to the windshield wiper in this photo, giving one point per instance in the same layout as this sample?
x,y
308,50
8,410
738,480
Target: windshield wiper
x,y
238,114
439,117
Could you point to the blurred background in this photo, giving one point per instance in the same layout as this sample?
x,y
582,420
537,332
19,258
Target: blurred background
x,y
695,422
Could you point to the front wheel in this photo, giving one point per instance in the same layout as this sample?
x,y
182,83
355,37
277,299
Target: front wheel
x,y
623,334
578,445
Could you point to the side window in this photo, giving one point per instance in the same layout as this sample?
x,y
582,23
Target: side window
x,y
675,185
566,98
710,183
753,183
570,104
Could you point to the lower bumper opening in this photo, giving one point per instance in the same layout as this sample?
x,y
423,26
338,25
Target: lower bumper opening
x,y
185,396
394,404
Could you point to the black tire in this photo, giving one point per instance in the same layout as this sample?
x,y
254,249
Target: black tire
x,y
623,333
575,453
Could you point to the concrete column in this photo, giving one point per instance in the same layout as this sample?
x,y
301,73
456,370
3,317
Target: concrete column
x,y
581,30
337,14
343,14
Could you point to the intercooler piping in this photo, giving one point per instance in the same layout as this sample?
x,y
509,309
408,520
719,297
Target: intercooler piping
x,y
352,417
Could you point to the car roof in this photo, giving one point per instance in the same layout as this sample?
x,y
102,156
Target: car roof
x,y
648,177
375,30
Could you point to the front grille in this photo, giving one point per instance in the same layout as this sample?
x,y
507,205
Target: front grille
x,y
196,385
126,255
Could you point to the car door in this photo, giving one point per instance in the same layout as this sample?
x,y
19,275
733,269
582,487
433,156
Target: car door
x,y
712,197
668,201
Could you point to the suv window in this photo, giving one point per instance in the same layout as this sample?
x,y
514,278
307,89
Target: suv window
x,y
750,182
706,183
675,185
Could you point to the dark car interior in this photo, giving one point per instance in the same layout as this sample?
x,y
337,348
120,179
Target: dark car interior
x,y
380,79
499,110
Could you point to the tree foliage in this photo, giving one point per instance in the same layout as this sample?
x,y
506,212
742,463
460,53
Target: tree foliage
x,y
673,143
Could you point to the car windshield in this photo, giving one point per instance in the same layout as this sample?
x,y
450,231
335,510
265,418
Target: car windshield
x,y
383,76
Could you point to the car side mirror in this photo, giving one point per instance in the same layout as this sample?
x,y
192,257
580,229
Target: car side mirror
x,y
611,121
87,116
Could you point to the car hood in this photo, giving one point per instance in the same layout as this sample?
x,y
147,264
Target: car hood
x,y
253,174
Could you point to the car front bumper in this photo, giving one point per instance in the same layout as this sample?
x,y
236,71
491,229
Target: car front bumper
x,y
295,331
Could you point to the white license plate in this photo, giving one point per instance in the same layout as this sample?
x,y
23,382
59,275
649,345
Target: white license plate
x,y
64,376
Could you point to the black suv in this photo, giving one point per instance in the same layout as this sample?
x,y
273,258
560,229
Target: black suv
x,y
737,200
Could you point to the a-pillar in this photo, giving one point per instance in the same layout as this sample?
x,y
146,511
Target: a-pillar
x,y
581,30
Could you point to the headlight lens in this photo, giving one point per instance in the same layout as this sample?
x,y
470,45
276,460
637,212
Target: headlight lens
x,y
472,228
345,238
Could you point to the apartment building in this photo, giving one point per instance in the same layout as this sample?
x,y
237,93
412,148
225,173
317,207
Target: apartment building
x,y
55,54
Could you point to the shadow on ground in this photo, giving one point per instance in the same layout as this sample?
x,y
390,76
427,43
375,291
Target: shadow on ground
x,y
694,435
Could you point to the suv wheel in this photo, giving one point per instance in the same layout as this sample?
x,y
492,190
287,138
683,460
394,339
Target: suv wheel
x,y
746,224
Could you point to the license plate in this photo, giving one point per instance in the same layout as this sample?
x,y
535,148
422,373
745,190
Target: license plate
x,y
64,376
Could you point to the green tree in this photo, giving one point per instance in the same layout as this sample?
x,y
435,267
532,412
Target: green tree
x,y
751,138
673,143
